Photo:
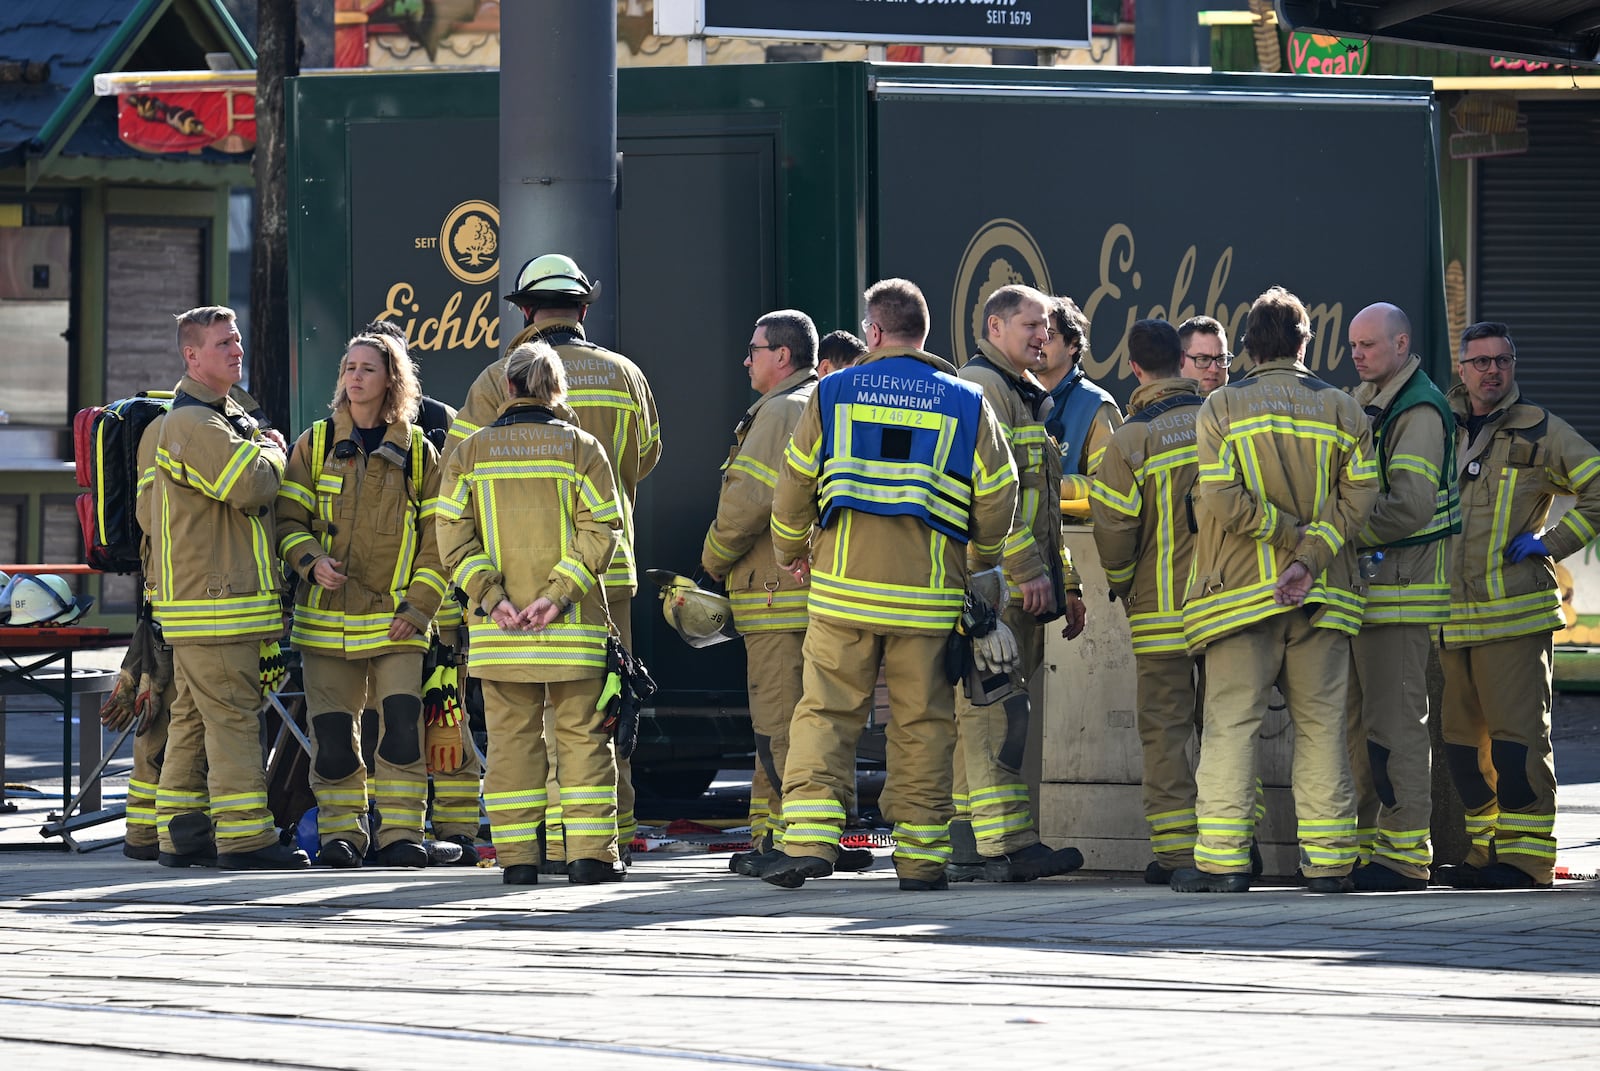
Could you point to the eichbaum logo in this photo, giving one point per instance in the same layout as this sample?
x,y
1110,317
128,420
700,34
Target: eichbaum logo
x,y
469,242
1001,253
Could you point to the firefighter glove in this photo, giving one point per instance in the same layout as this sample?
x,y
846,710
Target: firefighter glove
x,y
995,651
989,586
274,666
447,750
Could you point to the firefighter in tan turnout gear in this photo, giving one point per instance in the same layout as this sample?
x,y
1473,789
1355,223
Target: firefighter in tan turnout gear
x,y
608,397
355,524
1513,457
1401,554
993,836
769,604
528,521
1142,507
213,584
150,740
1287,480
899,464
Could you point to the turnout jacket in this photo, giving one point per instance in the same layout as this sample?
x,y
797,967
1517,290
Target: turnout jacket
x,y
738,546
372,512
1522,457
527,510
608,397
1279,450
1143,511
145,459
1417,508
905,467
1034,542
213,570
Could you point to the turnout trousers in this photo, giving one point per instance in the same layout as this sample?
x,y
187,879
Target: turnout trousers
x,y
1497,741
1168,716
841,671
775,680
1391,757
337,690
989,786
149,754
620,606
1310,666
214,746
514,792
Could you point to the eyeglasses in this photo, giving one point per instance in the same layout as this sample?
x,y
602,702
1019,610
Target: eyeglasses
x,y
1203,362
867,325
750,351
1501,361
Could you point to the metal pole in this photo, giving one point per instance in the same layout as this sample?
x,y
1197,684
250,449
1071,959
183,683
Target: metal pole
x,y
558,144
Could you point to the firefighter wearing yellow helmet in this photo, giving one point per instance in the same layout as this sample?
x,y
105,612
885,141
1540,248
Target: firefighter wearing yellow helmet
x,y
609,398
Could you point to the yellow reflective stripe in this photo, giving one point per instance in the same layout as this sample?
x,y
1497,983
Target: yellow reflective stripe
x,y
1128,504
1500,534
1582,473
787,611
805,462
765,475
1422,466
1506,618
297,493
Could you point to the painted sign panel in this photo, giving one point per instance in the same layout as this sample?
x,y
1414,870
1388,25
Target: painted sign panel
x,y
171,121
1201,206
425,228
1022,23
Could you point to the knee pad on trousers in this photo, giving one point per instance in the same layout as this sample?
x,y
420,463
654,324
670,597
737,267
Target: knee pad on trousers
x,y
1378,760
401,743
768,763
472,702
1474,790
1016,742
1511,771
336,751
191,832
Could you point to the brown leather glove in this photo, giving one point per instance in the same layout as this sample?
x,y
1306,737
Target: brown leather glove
x,y
447,749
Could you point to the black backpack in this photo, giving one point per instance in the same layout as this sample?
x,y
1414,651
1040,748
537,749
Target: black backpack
x,y
106,454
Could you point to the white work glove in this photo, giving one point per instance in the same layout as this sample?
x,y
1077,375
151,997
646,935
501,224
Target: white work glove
x,y
995,653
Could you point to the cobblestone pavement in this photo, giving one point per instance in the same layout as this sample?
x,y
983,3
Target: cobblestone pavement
x,y
105,962
113,963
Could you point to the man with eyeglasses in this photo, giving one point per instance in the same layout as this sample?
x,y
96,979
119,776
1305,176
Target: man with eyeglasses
x,y
993,837
897,476
1083,415
1514,458
769,604
1205,352
1401,555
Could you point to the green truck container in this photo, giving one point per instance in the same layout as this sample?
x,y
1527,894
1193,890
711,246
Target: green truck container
x,y
750,188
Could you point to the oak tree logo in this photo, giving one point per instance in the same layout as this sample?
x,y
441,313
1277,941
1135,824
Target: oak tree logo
x,y
469,242
1002,252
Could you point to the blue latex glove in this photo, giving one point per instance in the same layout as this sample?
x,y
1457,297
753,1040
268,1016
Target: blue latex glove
x,y
1526,545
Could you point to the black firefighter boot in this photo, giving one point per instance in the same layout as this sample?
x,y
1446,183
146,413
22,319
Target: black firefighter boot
x,y
791,871
750,864
965,862
193,841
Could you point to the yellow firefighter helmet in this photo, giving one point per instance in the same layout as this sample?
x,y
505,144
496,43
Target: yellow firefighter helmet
x,y
703,618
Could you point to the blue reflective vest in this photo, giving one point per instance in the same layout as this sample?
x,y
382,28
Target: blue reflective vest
x,y
898,438
1077,401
